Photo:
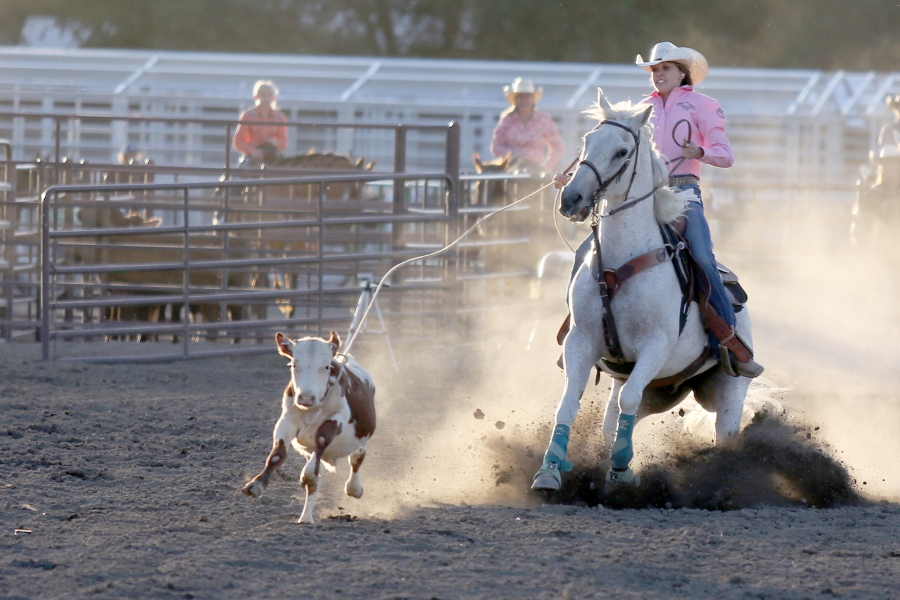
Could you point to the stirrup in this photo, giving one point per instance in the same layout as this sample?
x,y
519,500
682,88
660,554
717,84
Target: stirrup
x,y
726,362
735,368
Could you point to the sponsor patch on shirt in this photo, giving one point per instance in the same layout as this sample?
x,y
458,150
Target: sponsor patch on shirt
x,y
686,106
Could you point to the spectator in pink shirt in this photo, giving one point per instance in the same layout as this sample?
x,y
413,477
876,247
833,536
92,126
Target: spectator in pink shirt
x,y
527,134
261,143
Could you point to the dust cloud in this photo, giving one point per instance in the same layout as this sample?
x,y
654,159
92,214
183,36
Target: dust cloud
x,y
825,321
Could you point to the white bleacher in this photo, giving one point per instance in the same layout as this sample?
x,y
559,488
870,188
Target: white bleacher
x,y
785,125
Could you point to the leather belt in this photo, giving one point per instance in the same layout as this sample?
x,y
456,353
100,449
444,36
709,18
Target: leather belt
x,y
683,180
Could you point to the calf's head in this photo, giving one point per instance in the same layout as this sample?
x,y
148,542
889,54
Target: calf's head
x,y
313,368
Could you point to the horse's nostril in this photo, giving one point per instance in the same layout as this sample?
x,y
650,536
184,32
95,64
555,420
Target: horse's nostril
x,y
569,201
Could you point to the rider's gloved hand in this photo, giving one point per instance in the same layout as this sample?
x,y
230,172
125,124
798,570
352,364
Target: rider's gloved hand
x,y
561,179
691,150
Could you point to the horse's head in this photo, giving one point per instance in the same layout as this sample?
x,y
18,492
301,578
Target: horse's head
x,y
489,190
608,157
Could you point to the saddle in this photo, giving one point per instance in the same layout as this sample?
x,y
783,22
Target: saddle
x,y
676,250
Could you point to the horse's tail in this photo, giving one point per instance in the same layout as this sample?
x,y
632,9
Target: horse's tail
x,y
762,398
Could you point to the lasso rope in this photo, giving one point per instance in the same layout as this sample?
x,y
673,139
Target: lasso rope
x,y
556,207
436,253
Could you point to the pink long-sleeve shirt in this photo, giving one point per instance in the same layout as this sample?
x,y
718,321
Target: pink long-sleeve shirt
x,y
248,136
707,121
537,141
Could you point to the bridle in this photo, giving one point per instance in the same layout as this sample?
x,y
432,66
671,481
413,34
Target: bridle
x,y
617,176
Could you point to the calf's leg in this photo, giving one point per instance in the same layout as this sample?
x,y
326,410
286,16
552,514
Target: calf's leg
x,y
310,478
258,484
353,487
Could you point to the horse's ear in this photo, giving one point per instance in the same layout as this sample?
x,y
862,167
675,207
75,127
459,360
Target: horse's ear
x,y
359,163
284,345
604,104
505,161
476,160
335,341
645,116
370,166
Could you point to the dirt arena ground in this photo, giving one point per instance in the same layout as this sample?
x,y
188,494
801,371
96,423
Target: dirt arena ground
x,y
128,477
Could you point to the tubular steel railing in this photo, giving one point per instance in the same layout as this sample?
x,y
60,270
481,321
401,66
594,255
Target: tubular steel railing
x,y
369,237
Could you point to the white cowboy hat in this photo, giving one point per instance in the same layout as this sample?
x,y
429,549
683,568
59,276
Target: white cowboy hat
x,y
521,86
694,62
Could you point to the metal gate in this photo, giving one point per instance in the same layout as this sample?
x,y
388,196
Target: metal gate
x,y
237,261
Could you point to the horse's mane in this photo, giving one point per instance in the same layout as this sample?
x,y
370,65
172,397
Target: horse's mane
x,y
667,204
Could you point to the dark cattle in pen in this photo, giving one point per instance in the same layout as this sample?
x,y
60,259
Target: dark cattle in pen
x,y
134,250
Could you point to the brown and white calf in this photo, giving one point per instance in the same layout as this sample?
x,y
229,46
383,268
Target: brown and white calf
x,y
327,413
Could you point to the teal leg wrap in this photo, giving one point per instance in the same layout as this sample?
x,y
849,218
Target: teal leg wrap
x,y
556,451
622,451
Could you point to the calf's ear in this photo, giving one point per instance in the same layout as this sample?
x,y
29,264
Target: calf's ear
x,y
335,341
283,344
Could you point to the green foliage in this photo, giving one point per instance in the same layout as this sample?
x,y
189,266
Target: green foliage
x,y
827,34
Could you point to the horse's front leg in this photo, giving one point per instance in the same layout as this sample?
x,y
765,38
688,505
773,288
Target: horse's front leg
x,y
651,358
580,352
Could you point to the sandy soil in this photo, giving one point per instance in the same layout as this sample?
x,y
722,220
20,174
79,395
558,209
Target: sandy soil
x,y
128,478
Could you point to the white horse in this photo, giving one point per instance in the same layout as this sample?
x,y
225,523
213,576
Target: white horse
x,y
619,164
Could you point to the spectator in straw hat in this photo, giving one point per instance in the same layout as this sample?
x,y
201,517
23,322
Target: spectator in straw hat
x,y
527,134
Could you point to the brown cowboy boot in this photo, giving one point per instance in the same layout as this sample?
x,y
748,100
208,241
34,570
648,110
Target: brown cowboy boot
x,y
730,345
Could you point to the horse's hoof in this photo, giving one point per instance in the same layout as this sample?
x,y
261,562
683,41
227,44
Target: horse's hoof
x,y
547,480
620,479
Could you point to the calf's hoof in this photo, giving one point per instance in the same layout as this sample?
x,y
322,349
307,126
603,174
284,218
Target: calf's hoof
x,y
354,491
306,519
253,489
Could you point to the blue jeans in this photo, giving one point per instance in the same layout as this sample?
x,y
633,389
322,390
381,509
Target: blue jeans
x,y
697,233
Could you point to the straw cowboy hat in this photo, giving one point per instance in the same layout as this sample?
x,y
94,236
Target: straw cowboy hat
x,y
521,86
690,59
